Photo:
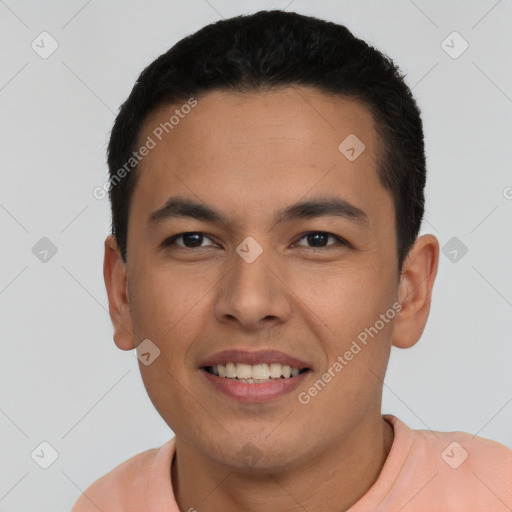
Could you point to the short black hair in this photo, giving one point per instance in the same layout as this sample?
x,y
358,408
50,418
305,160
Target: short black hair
x,y
271,50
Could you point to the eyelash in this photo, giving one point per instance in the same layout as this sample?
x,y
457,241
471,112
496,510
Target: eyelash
x,y
171,240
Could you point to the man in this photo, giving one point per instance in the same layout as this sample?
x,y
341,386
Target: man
x,y
267,178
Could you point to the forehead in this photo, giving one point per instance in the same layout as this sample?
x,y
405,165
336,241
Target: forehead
x,y
247,152
304,114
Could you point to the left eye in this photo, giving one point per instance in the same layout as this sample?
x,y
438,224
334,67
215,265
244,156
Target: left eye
x,y
319,239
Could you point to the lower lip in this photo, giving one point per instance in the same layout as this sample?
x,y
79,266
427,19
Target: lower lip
x,y
257,392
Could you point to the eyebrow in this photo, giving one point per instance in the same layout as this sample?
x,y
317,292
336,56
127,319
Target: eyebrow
x,y
177,207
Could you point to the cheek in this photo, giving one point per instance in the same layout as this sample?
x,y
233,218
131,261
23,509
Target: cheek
x,y
355,306
170,392
165,300
346,296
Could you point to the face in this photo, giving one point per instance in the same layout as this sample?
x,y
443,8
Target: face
x,y
250,270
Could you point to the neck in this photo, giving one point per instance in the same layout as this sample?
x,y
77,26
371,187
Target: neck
x,y
333,480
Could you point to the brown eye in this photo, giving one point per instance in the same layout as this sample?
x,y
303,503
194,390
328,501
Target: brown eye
x,y
319,239
190,240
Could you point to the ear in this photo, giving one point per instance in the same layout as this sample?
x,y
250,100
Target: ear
x,y
114,273
415,291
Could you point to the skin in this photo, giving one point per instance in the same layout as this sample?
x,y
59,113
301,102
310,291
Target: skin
x,y
249,155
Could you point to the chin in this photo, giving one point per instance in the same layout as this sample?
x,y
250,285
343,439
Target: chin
x,y
260,453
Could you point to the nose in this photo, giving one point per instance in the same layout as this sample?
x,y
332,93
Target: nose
x,y
254,294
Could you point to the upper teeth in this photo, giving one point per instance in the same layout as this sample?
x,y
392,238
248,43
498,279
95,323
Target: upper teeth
x,y
254,371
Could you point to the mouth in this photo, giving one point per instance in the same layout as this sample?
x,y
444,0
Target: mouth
x,y
254,376
254,373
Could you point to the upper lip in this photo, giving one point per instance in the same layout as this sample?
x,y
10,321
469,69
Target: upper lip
x,y
249,357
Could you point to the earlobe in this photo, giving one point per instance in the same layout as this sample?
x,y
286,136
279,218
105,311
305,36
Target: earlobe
x,y
114,274
415,291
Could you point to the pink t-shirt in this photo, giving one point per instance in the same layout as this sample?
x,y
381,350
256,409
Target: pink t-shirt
x,y
425,472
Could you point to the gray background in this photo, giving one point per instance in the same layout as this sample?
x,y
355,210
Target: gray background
x,y
62,378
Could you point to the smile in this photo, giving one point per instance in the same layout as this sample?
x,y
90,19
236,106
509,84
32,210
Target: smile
x,y
254,373
253,376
